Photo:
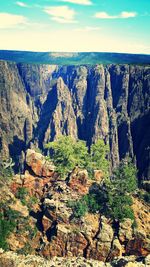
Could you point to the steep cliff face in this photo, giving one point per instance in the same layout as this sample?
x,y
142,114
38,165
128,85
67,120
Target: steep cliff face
x,y
40,102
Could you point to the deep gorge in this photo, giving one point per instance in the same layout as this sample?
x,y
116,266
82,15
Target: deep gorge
x,y
40,102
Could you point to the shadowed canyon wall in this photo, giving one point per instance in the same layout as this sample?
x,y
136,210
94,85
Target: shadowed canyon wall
x,y
40,102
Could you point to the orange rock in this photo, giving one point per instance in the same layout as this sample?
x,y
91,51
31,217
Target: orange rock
x,y
65,243
138,247
46,223
35,185
38,164
78,181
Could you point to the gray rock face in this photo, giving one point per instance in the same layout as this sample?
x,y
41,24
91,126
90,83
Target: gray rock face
x,y
40,102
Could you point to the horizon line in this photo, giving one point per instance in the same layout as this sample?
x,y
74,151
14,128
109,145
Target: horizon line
x,y
35,51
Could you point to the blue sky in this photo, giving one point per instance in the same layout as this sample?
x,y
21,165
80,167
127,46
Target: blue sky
x,y
76,25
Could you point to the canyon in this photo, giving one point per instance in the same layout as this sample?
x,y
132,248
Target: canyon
x,y
40,102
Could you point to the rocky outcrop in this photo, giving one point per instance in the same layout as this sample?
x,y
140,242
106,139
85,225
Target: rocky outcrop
x,y
59,232
38,164
78,181
40,102
12,259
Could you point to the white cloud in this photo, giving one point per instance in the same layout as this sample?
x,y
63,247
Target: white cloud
x,y
21,4
79,2
8,20
87,29
122,15
61,14
125,15
103,15
63,21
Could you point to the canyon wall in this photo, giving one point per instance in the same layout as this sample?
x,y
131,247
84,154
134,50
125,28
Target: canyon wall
x,y
40,102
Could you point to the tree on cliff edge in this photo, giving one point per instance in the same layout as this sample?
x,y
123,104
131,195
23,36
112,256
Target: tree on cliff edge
x,y
120,189
67,153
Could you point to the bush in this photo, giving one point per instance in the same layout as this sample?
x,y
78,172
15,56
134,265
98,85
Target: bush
x,y
6,172
125,177
25,198
32,200
8,222
67,153
119,207
122,185
113,199
92,203
99,152
79,208
88,203
21,194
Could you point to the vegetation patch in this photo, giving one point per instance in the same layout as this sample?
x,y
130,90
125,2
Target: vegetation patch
x,y
67,153
8,223
113,198
6,171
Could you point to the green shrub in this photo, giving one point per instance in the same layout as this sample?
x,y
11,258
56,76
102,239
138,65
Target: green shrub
x,y
113,199
32,200
88,203
8,222
119,189
92,202
79,208
5,230
125,177
32,230
21,194
67,153
99,152
6,173
119,207
25,198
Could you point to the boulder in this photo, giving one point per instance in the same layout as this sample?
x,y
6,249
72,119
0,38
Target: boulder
x,y
38,164
99,249
139,246
78,181
17,206
125,230
106,232
46,223
116,250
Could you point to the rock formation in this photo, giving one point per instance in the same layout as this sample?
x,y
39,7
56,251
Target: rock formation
x,y
58,232
12,259
40,102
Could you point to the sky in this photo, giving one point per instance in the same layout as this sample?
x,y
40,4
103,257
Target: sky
x,y
75,25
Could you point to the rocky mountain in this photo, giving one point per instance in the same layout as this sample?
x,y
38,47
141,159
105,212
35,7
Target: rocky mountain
x,y
40,102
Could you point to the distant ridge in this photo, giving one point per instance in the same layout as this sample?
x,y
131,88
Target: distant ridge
x,y
76,58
